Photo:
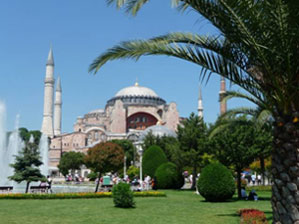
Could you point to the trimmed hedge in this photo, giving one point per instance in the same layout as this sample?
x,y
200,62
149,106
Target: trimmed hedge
x,y
77,195
168,177
152,159
216,183
123,196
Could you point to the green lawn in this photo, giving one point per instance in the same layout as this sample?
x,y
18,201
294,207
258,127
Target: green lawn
x,y
182,207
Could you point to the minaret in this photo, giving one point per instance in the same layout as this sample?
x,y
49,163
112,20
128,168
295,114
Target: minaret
x,y
200,107
57,108
47,126
222,92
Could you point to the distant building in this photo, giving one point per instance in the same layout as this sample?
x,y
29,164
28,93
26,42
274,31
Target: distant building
x,y
126,116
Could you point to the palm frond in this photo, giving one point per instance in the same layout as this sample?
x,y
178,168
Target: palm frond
x,y
210,57
237,94
133,6
223,124
257,47
234,113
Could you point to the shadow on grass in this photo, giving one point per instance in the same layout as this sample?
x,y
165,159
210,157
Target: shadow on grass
x,y
237,200
270,218
231,215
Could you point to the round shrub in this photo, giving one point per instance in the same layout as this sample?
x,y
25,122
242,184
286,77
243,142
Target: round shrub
x,y
168,177
123,196
216,183
152,159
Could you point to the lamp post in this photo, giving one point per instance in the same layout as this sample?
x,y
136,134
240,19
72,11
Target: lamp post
x,y
125,166
140,153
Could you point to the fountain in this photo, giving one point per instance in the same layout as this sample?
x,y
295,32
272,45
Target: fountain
x,y
3,160
43,148
10,148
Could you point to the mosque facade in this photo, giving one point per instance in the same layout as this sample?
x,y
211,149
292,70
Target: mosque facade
x,y
131,113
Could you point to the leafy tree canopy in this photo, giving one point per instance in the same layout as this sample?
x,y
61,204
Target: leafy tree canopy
x,y
128,148
26,134
70,161
105,157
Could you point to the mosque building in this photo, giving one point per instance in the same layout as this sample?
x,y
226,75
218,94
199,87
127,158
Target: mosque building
x,y
133,112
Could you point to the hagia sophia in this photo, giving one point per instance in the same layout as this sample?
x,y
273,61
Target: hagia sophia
x,y
131,113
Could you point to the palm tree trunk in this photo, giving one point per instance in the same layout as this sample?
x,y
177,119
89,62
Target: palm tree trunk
x,y
285,171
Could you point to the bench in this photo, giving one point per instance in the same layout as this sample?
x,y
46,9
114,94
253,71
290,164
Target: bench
x,y
39,189
6,189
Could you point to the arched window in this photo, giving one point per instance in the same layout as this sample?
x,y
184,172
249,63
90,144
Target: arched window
x,y
140,121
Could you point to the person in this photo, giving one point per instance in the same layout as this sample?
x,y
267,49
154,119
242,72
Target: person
x,y
253,177
243,193
259,179
76,177
147,182
191,179
49,183
154,183
252,196
43,184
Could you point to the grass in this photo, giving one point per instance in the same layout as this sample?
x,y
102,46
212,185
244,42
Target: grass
x,y
179,207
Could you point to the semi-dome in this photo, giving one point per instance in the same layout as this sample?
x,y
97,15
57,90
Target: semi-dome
x,y
136,94
136,90
158,131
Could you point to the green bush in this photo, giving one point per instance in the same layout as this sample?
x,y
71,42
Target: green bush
x,y
132,172
216,183
123,196
92,176
168,177
152,159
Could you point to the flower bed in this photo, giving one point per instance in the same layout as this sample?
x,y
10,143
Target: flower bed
x,y
252,216
77,195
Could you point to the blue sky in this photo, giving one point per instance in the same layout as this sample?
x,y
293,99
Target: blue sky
x,y
79,31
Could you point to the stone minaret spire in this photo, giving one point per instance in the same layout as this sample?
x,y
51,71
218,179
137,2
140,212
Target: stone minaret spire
x,y
47,126
222,92
57,108
200,106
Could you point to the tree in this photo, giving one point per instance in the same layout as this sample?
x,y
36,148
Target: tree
x,y
26,165
25,135
70,161
236,145
128,148
104,157
256,47
152,159
192,136
170,146
262,119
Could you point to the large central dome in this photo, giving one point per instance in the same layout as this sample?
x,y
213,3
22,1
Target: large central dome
x,y
137,95
136,90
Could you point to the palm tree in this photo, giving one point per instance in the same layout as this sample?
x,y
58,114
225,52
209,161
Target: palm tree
x,y
257,48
